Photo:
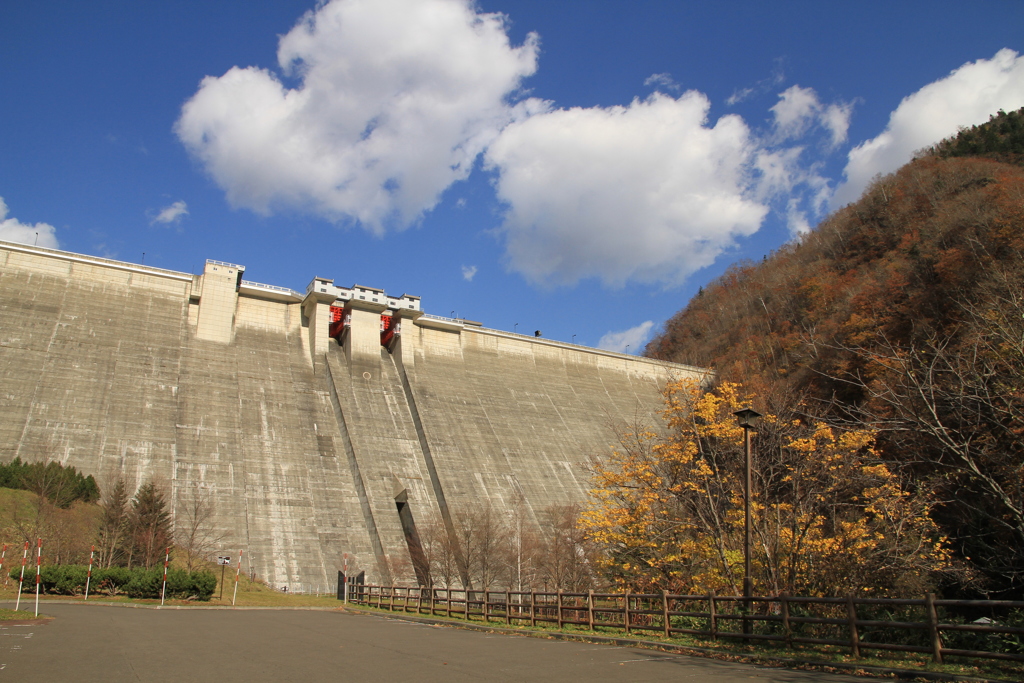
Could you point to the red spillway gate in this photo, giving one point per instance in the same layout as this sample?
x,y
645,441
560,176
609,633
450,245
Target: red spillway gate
x,y
337,322
388,330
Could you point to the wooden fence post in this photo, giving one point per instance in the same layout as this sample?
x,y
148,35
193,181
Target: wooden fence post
x,y
508,607
533,614
590,608
666,621
559,599
784,600
851,616
712,615
933,627
448,602
625,615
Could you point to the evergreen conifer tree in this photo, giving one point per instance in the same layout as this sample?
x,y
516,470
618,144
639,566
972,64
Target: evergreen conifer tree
x,y
114,530
151,524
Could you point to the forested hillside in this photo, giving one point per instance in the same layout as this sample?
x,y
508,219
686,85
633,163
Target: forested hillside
x,y
903,312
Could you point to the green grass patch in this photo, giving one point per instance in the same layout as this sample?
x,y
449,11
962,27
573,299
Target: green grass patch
x,y
17,615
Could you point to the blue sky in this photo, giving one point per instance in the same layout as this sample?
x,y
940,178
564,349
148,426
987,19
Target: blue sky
x,y
580,168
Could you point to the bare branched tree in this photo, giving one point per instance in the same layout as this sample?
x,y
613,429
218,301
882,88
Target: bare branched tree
x,y
195,532
520,547
477,534
439,550
567,555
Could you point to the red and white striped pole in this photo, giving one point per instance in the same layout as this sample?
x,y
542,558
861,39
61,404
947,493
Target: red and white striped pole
x,y
39,570
237,572
163,591
24,559
88,577
3,556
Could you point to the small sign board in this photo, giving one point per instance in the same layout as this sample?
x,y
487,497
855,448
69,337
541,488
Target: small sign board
x,y
223,559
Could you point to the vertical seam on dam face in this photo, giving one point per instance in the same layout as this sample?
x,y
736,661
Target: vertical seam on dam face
x,y
357,477
435,480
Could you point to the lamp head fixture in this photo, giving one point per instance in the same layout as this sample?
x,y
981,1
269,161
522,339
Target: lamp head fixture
x,y
747,418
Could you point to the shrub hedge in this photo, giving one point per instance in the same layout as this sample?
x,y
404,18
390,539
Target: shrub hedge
x,y
137,582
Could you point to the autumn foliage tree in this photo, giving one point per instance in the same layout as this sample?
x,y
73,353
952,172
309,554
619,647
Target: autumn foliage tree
x,y
829,517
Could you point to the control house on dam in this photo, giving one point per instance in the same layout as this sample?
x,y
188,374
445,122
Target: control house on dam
x,y
322,423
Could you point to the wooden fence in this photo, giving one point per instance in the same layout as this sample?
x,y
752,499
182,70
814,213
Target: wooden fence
x,y
857,623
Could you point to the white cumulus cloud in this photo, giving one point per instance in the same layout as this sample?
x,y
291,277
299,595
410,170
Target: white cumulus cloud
x,y
633,338
798,109
663,80
394,101
647,192
468,273
966,97
171,214
13,230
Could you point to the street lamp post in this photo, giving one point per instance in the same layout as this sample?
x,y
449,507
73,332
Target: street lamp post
x,y
747,418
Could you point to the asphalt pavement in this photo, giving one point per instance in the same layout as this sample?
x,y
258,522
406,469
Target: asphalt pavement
x,y
108,643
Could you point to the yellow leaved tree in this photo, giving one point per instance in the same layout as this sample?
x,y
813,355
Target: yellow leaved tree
x,y
829,517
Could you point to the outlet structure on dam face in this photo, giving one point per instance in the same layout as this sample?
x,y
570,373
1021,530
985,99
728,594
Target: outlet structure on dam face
x,y
322,423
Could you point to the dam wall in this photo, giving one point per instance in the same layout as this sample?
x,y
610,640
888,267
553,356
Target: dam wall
x,y
311,446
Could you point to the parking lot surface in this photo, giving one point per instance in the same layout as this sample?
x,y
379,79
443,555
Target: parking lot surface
x,y
104,643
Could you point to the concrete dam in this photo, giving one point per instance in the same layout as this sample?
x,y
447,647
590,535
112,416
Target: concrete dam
x,y
321,423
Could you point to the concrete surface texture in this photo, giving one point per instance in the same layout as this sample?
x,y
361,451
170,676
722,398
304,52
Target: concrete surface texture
x,y
115,644
310,446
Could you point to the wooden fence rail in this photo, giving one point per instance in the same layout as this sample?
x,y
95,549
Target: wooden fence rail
x,y
857,623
